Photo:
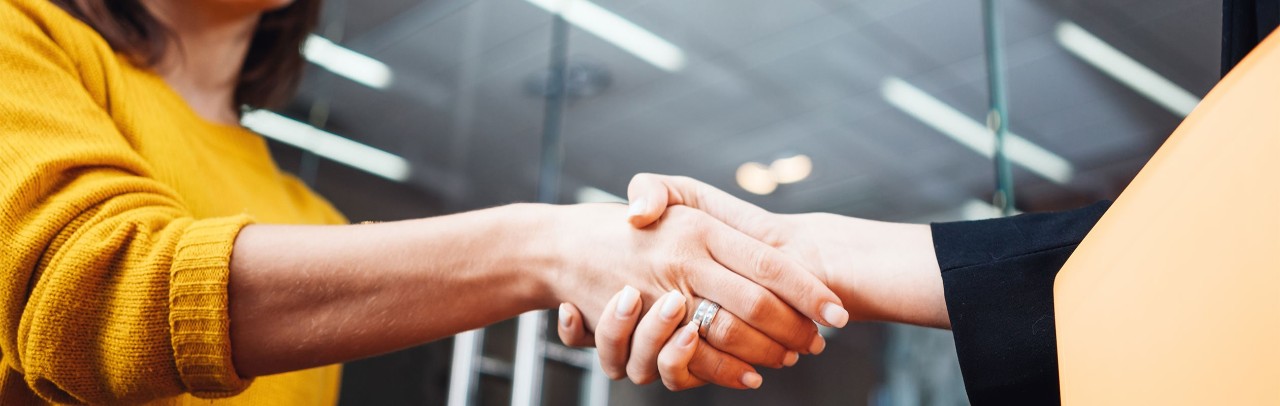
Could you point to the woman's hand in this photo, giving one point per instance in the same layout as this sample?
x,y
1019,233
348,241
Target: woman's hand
x,y
631,350
765,294
892,266
684,250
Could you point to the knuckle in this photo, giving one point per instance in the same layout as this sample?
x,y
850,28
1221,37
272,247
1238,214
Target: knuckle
x,y
613,374
610,339
643,379
671,384
720,368
767,266
680,268
639,374
759,305
775,354
803,334
726,330
667,364
693,219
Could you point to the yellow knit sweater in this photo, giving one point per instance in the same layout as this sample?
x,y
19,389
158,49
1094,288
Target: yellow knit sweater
x,y
118,210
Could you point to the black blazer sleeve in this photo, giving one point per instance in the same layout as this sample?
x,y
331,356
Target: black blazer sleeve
x,y
998,277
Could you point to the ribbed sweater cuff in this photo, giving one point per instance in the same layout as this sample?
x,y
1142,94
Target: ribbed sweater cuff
x,y
198,318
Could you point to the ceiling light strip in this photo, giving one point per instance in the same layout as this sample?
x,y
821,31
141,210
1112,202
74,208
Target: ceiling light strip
x,y
617,30
1125,69
347,63
327,145
968,132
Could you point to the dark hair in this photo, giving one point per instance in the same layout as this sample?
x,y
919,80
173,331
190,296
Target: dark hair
x,y
272,66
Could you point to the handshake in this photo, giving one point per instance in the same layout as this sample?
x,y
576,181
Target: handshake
x,y
730,286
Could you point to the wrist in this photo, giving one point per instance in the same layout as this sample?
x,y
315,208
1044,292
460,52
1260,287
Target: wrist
x,y
534,251
882,271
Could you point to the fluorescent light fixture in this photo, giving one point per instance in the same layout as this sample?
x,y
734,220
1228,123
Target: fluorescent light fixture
x,y
618,31
347,63
1124,69
970,133
328,145
588,194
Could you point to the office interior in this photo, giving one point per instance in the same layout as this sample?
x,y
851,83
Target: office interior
x,y
874,109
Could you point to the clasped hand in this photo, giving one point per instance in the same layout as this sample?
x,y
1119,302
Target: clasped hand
x,y
752,329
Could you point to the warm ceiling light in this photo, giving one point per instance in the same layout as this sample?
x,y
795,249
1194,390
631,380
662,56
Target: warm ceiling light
x,y
756,178
791,170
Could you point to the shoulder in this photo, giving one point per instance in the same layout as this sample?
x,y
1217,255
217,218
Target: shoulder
x,y
44,47
40,30
42,16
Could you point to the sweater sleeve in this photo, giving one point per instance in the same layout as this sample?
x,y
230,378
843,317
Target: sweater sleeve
x,y
998,277
112,291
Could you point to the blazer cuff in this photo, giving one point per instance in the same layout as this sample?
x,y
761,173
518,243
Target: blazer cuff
x,y
998,278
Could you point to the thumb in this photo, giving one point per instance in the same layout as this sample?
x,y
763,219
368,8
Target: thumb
x,y
649,197
651,194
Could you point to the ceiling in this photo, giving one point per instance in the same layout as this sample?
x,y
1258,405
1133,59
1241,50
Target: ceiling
x,y
764,79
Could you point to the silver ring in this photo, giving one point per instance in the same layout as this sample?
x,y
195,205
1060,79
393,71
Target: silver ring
x,y
705,313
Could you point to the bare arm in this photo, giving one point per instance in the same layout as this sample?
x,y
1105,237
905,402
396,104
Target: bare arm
x,y
303,296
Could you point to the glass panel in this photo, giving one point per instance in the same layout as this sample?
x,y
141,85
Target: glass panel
x,y
887,103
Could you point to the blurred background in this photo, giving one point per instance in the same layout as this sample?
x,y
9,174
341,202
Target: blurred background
x,y
874,109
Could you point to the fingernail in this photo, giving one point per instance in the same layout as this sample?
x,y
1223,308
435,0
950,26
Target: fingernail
x,y
637,207
791,358
627,302
752,380
671,304
818,344
687,335
835,315
564,314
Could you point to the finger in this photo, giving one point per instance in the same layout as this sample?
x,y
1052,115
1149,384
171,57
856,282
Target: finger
x,y
648,198
570,328
660,191
673,360
731,335
716,367
753,304
613,332
779,273
651,334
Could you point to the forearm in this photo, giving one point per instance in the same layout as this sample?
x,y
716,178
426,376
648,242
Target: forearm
x,y
303,296
882,271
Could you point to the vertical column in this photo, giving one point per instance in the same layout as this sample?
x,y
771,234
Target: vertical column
x,y
530,333
463,372
998,117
